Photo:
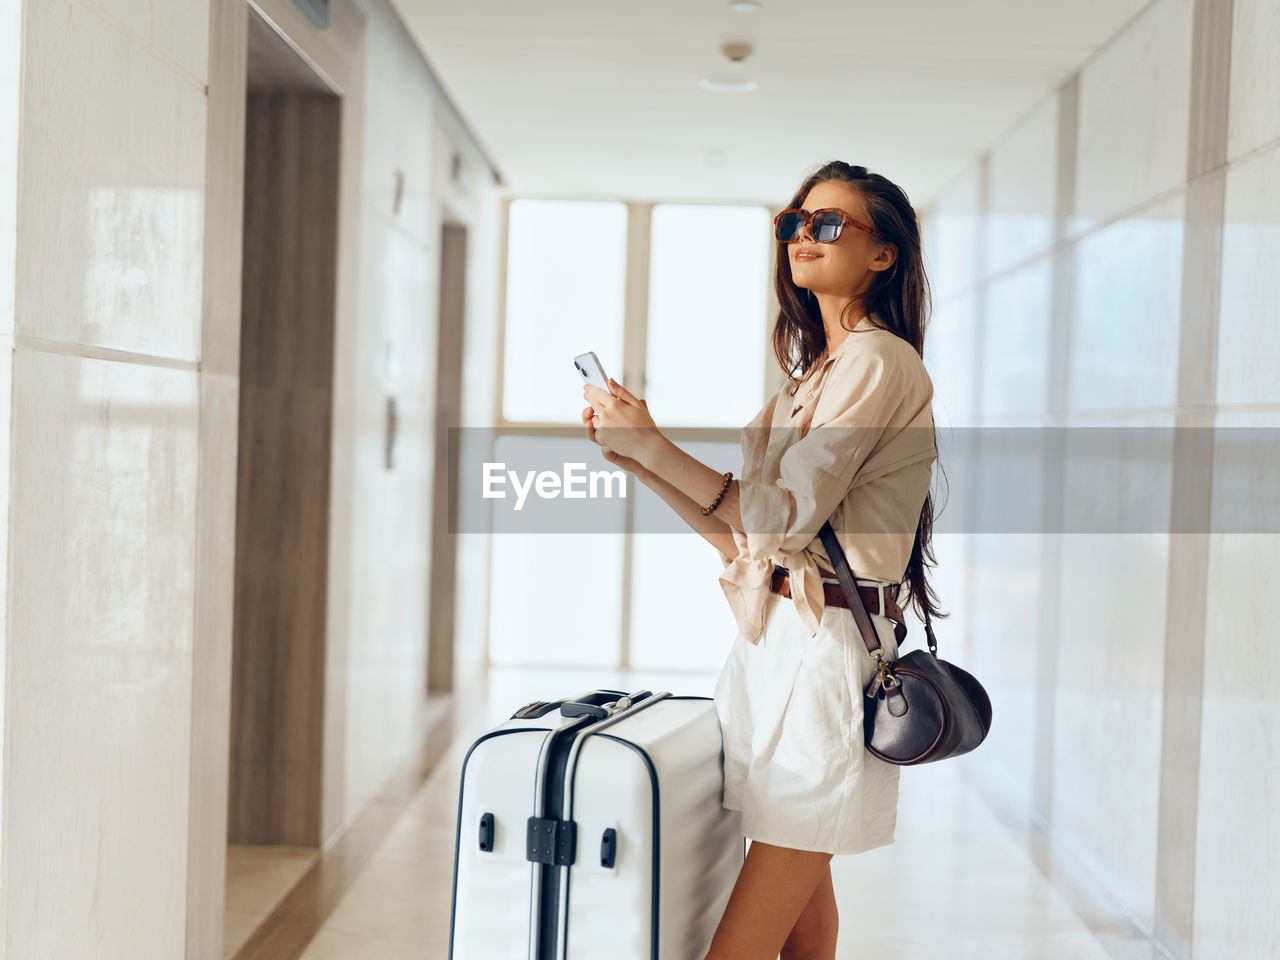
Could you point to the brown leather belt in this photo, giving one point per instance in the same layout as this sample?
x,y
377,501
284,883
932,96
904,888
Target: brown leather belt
x,y
834,595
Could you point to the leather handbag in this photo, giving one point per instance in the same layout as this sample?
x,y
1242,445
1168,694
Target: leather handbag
x,y
918,708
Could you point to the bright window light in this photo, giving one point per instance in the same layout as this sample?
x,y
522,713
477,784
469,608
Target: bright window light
x,y
566,291
709,275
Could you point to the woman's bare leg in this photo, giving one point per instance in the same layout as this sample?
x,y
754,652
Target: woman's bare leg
x,y
814,935
773,889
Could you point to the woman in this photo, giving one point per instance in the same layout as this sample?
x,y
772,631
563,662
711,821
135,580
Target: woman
x,y
849,438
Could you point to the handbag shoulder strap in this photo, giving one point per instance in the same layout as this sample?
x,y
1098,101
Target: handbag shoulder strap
x,y
860,616
845,575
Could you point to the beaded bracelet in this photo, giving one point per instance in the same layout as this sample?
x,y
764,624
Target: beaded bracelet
x,y
707,511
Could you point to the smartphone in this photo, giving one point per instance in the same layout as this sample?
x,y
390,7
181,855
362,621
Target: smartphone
x,y
589,367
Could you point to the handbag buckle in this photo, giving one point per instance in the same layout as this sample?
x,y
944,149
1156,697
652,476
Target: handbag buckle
x,y
888,679
885,669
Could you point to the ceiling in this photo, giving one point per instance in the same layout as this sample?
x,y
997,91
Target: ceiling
x,y
600,98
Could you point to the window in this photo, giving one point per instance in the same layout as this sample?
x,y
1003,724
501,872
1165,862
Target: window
x,y
566,294
680,619
705,348
555,590
709,274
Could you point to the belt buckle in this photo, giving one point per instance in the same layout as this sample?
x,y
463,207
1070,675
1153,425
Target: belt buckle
x,y
880,597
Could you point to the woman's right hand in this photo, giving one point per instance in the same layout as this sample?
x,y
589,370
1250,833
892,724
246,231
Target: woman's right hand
x,y
618,460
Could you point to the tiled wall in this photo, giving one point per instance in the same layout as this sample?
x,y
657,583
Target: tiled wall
x,y
124,355
10,71
1110,261
104,433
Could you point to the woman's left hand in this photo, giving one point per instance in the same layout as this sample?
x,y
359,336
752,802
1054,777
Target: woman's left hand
x,y
622,421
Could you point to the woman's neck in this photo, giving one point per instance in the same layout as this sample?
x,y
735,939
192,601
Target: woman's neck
x,y
833,307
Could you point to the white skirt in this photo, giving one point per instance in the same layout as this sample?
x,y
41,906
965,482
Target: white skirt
x,y
795,756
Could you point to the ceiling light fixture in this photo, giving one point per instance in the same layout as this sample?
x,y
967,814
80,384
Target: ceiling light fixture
x,y
736,52
744,6
724,84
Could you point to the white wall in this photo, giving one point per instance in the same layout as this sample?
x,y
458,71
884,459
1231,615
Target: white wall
x,y
116,642
1078,282
408,128
10,72
105,376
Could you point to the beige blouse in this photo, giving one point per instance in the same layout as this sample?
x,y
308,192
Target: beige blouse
x,y
852,443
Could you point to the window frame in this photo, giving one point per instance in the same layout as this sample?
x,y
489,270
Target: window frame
x,y
635,328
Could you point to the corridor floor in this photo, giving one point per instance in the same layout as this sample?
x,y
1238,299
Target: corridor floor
x,y
955,884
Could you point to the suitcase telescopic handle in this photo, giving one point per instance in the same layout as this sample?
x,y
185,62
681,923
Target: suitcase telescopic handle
x,y
592,703
601,703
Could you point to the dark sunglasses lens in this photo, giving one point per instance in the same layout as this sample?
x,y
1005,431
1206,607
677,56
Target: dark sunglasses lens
x,y
826,227
788,227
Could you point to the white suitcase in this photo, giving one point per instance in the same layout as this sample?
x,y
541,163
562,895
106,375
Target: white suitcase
x,y
593,829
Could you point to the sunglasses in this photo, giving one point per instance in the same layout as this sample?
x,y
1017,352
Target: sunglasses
x,y
827,225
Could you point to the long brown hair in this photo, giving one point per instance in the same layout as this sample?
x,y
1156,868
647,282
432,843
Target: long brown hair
x,y
898,300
